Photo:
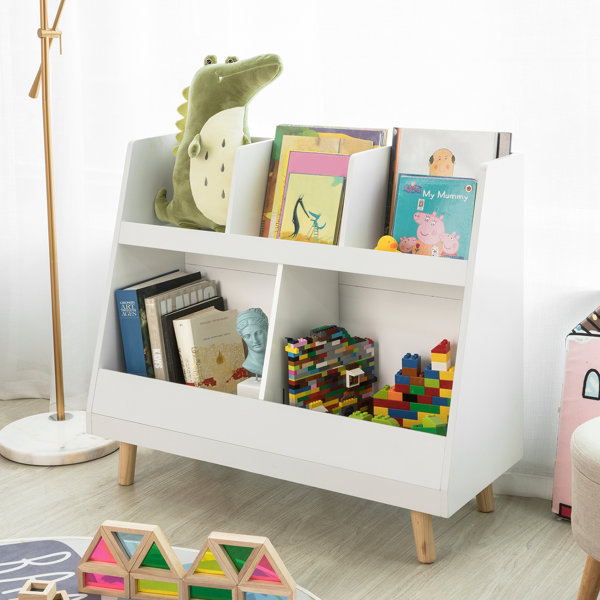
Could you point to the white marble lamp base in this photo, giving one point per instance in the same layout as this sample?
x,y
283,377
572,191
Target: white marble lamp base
x,y
42,440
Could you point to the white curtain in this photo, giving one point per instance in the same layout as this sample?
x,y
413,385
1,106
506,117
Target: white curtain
x,y
528,67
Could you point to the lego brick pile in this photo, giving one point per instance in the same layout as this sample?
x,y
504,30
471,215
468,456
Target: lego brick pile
x,y
420,399
331,371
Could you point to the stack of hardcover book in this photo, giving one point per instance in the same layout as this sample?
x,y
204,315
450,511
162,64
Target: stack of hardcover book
x,y
175,327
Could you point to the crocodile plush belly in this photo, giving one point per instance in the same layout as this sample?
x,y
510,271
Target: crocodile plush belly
x,y
211,170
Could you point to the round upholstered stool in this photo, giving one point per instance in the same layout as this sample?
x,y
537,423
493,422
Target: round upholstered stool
x,y
585,518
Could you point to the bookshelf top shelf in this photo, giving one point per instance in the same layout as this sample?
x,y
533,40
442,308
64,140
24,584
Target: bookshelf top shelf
x,y
334,258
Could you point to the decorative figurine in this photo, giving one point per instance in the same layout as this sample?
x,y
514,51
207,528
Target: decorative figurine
x,y
252,325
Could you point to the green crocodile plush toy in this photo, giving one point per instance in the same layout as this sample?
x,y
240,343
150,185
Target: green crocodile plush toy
x,y
214,125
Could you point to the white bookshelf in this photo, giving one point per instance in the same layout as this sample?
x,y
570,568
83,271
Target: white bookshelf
x,y
405,303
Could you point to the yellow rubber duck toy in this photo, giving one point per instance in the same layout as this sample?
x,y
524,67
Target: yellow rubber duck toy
x,y
387,243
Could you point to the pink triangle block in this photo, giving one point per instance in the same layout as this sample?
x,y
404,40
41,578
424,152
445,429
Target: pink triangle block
x,y
265,572
101,553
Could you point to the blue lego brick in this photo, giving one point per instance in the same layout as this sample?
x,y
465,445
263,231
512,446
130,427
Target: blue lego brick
x,y
437,401
403,414
401,379
430,373
412,361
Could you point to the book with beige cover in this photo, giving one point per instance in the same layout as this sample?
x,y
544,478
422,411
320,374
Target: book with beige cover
x,y
211,350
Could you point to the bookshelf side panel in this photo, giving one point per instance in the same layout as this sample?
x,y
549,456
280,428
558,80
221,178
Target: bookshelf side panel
x,y
485,433
150,169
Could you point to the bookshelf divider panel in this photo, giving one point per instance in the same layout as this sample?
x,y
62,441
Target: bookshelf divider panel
x,y
248,187
363,214
304,299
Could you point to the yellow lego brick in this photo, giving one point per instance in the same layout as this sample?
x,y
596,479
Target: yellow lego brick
x,y
408,423
444,412
333,402
447,375
445,393
437,357
380,410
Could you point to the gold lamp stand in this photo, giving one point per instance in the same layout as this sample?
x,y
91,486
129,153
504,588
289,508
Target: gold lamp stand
x,y
51,438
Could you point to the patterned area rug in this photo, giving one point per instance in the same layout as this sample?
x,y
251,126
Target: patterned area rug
x,y
57,560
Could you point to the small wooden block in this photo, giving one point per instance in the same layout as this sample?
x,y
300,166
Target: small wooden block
x,y
217,539
285,577
175,567
61,595
36,589
134,579
97,568
220,585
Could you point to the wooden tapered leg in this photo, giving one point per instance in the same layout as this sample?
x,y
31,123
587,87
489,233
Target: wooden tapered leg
x,y
127,454
590,580
423,533
485,500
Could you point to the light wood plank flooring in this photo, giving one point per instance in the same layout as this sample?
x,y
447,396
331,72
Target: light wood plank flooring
x,y
339,547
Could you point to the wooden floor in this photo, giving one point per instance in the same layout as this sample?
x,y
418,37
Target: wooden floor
x,y
339,547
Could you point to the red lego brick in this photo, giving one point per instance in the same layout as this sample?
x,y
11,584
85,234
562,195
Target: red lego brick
x,y
405,389
391,404
431,391
442,347
445,384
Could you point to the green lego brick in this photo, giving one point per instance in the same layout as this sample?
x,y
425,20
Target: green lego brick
x,y
428,408
382,394
385,420
418,390
432,383
363,416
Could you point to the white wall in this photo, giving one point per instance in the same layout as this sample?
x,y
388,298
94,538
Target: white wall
x,y
528,67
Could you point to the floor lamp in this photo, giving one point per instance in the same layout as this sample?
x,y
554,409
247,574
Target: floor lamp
x,y
51,438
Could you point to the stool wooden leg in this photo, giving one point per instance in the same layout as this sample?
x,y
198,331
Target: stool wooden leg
x,y
423,534
127,454
485,500
590,580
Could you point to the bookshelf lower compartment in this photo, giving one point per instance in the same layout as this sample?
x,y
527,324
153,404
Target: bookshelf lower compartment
x,y
363,459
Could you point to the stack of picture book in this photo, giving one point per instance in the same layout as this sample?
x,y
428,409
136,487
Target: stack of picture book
x,y
433,185
307,180
175,327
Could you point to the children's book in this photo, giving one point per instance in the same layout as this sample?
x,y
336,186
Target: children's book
x,y
441,153
133,321
172,360
322,145
211,350
165,303
313,196
434,215
377,137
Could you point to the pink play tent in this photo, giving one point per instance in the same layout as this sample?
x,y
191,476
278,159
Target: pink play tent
x,y
580,402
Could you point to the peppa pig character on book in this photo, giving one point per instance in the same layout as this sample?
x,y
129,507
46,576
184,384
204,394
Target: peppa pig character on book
x,y
429,233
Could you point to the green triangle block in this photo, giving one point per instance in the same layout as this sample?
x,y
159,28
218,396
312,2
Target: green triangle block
x,y
155,559
238,555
